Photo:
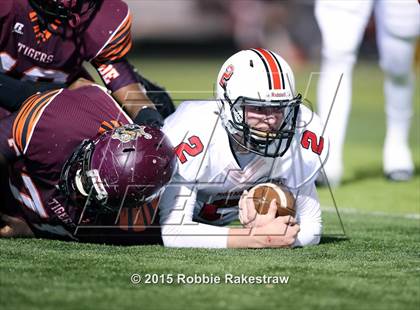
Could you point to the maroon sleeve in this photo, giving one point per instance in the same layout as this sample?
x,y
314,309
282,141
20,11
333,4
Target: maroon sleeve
x,y
117,75
108,40
118,44
110,28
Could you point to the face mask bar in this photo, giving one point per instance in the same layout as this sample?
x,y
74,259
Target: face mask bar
x,y
90,179
268,144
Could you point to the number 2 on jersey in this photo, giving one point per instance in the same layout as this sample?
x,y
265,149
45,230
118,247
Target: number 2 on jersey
x,y
192,148
310,139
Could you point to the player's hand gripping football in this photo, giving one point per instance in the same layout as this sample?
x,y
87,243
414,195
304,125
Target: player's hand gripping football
x,y
279,233
248,214
269,229
251,215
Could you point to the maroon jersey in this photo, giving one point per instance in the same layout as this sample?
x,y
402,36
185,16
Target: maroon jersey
x,y
29,52
46,131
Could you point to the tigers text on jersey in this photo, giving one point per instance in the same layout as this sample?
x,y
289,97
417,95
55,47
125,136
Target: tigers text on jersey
x,y
210,181
31,53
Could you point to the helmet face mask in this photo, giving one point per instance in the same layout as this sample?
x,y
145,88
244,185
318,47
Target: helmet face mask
x,y
259,105
79,182
66,11
263,127
125,167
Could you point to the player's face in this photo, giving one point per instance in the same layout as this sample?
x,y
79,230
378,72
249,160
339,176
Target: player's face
x,y
267,119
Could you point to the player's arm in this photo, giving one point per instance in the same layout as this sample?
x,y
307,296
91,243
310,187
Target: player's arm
x,y
124,83
280,233
134,100
308,215
144,101
14,92
120,77
179,230
176,208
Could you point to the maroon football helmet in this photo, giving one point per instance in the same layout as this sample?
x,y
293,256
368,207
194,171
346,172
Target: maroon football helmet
x,y
68,11
124,167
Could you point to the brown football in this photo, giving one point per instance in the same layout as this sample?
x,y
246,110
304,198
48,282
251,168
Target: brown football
x,y
263,194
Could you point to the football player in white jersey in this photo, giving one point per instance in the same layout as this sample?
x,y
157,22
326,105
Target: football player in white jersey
x,y
256,131
342,25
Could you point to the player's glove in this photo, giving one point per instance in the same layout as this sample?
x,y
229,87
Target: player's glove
x,y
150,117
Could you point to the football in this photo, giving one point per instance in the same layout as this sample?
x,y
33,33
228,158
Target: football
x,y
263,194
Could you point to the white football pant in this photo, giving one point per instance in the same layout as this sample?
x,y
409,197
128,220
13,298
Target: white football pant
x,y
342,25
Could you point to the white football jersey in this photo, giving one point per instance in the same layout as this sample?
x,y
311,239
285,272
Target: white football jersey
x,y
209,180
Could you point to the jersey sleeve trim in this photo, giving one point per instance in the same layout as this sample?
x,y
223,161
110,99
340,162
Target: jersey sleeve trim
x,y
28,117
118,45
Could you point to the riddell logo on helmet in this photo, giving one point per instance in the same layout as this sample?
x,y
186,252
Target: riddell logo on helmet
x,y
282,94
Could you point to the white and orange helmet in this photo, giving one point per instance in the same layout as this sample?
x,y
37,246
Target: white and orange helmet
x,y
259,78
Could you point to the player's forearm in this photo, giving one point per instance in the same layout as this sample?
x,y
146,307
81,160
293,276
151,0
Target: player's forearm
x,y
120,77
133,98
244,238
194,235
14,92
256,238
197,235
279,233
207,236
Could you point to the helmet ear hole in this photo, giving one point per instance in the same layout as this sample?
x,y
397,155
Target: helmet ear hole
x,y
130,149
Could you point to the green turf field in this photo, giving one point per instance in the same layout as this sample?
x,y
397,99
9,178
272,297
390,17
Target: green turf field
x,y
373,264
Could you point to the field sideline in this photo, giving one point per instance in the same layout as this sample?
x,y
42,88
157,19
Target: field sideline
x,y
372,264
